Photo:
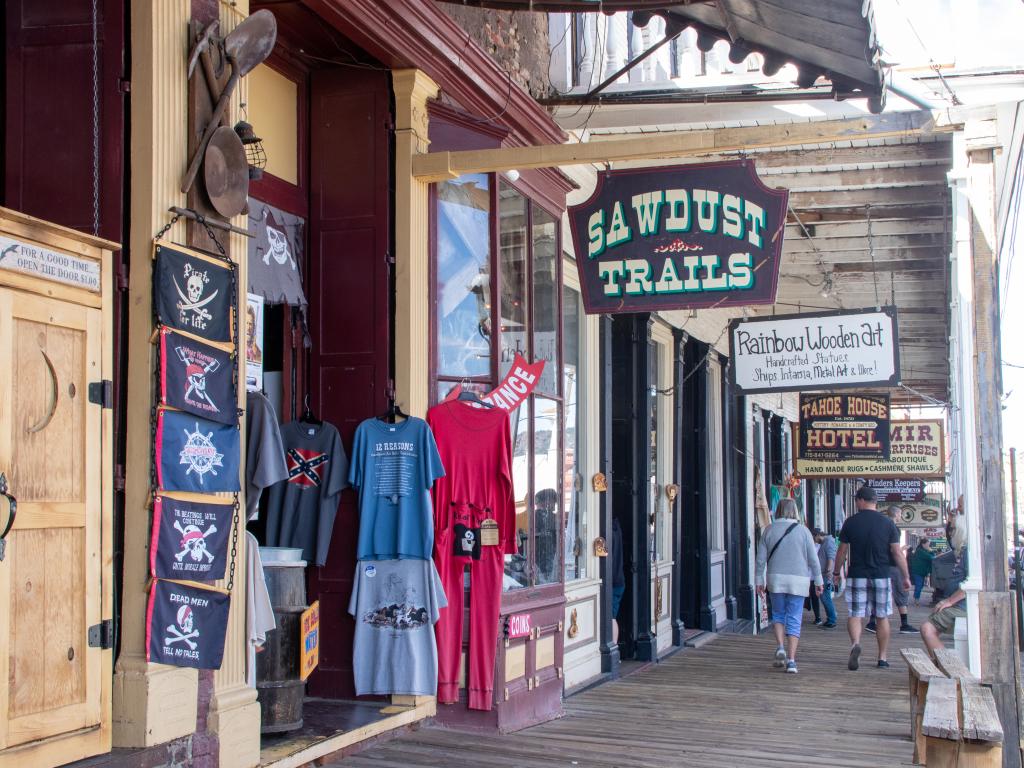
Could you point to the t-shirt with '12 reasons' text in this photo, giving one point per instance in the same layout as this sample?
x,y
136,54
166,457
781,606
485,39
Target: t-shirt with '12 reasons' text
x,y
393,467
869,534
395,604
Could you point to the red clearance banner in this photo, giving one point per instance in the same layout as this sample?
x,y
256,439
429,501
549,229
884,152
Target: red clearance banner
x,y
513,390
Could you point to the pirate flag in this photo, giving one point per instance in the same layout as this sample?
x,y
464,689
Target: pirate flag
x,y
194,454
193,293
197,378
185,626
190,541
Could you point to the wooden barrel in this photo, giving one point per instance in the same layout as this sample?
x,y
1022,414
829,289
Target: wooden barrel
x,y
280,692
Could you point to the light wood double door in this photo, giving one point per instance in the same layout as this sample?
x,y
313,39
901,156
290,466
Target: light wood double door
x,y
54,682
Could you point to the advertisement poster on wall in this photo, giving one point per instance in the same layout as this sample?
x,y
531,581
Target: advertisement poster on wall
x,y
917,449
845,426
254,342
819,350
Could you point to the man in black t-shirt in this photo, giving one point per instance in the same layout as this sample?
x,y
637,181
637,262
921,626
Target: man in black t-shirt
x,y
872,542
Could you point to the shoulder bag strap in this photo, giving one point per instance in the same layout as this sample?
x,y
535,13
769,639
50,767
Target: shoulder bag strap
x,y
783,536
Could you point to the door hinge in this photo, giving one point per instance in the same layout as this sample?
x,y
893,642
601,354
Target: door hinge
x,y
102,393
122,276
119,477
102,635
124,85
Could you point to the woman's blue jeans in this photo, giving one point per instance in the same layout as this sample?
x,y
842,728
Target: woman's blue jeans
x,y
918,580
788,610
830,608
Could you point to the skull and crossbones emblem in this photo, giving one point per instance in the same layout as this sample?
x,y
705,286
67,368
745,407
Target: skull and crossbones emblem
x,y
193,542
277,242
192,297
195,376
468,540
184,631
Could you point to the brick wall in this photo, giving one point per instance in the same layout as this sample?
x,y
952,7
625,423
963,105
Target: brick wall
x,y
516,40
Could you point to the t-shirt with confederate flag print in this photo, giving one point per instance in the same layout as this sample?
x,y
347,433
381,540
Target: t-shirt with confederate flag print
x,y
301,509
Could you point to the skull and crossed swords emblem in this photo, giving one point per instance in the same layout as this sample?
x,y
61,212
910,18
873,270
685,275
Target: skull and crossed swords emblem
x,y
195,374
185,629
193,542
191,297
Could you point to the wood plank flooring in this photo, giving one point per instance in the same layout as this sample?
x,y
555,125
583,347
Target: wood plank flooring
x,y
718,706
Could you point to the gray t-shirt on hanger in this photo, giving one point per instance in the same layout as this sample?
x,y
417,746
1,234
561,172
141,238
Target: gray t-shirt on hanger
x,y
395,604
301,509
264,452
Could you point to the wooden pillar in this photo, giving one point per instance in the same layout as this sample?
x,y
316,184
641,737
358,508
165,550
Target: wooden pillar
x,y
1000,664
152,703
412,90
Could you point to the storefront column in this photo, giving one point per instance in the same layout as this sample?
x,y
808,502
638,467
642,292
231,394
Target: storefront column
x,y
234,716
412,89
152,703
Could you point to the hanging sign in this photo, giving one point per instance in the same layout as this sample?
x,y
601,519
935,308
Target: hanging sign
x,y
197,378
310,650
194,454
189,541
185,625
514,389
916,449
193,292
682,237
48,264
820,350
926,513
836,427
897,489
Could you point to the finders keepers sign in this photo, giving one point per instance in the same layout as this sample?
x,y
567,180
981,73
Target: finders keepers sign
x,y
700,235
834,427
820,350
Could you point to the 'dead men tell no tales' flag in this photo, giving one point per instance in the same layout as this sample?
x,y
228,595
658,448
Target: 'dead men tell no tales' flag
x,y
185,626
193,293
190,541
197,378
193,454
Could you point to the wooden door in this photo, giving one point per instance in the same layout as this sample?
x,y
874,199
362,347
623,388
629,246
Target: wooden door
x,y
54,704
349,314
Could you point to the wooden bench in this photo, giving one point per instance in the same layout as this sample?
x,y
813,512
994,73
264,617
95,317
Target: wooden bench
x,y
922,671
951,664
960,725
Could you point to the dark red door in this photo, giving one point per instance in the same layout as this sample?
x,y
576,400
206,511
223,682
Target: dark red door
x,y
348,289
49,110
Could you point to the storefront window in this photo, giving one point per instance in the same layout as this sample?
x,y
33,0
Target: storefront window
x,y
546,288
464,277
547,467
517,567
512,262
572,483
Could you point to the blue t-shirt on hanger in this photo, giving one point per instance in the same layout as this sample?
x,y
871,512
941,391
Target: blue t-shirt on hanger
x,y
393,467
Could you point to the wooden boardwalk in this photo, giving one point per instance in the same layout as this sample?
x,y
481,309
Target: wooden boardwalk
x,y
718,706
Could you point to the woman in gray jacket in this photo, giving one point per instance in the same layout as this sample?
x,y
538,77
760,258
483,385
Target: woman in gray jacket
x,y
787,554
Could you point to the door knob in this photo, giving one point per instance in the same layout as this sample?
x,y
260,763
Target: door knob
x,y
12,506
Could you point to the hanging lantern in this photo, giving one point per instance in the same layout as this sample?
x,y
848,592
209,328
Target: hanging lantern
x,y
254,154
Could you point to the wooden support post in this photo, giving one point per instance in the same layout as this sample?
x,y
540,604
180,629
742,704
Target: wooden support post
x,y
1000,661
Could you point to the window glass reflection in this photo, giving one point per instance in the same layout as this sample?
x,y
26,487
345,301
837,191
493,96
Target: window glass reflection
x,y
464,276
512,239
517,567
545,298
575,513
547,470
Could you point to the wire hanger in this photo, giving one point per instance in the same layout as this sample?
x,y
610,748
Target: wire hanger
x,y
469,396
308,417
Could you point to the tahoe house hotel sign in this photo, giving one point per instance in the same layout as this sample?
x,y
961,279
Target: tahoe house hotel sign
x,y
682,237
817,350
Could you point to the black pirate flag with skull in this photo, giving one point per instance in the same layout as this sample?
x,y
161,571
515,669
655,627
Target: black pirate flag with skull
x,y
193,293
197,378
190,541
185,626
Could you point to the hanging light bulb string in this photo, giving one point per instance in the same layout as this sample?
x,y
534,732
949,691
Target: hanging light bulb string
x,y
871,253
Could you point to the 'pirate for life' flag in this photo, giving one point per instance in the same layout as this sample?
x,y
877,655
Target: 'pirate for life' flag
x,y
193,293
193,454
185,625
197,378
190,541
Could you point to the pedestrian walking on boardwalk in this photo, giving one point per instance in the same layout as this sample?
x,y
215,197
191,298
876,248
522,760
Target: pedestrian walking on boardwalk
x,y
872,542
921,566
900,596
826,559
784,559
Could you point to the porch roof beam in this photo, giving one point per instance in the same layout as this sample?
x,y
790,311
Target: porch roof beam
x,y
439,166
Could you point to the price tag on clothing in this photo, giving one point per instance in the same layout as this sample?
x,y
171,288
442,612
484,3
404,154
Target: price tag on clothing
x,y
489,533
